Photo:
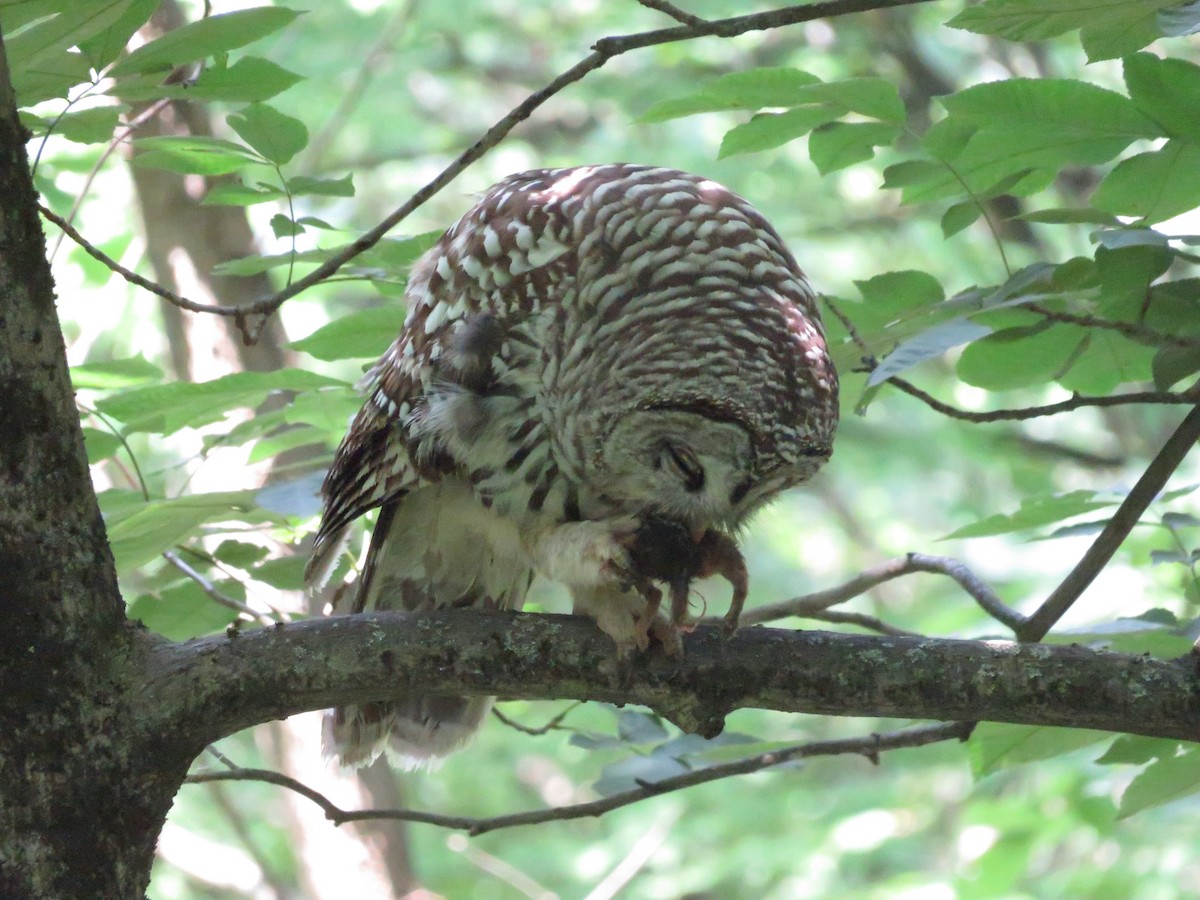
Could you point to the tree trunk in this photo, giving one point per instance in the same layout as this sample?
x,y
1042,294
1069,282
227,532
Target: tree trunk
x,y
81,808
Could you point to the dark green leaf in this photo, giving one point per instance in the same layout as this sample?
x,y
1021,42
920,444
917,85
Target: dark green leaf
x,y
960,216
193,155
52,37
165,408
768,130
1163,781
994,745
751,90
283,227
1156,185
1019,357
1173,364
300,185
840,144
276,136
1166,90
235,193
158,525
248,80
361,335
239,553
1082,216
183,612
89,126
101,49
1133,749
208,37
876,98
1108,359
99,444
51,77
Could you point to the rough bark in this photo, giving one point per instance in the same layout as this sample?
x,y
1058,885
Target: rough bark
x,y
68,756
218,685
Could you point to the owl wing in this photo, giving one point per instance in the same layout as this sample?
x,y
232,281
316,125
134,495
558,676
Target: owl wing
x,y
486,274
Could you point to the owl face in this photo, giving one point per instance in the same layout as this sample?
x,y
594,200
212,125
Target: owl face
x,y
683,466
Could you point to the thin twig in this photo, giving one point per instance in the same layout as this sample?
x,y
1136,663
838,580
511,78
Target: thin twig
x,y
602,51
210,590
862,620
673,11
870,747
809,605
1129,329
552,725
1126,517
1191,395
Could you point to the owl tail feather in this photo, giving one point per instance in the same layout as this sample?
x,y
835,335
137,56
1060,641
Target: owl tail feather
x,y
415,732
434,548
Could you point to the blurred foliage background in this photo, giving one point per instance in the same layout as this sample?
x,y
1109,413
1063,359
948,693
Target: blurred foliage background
x,y
207,452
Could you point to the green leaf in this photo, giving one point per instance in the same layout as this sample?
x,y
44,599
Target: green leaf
x,y
840,144
927,345
208,37
751,90
1035,512
158,525
1161,782
995,745
1137,636
58,32
1019,357
236,193
960,216
184,611
166,408
89,126
103,48
276,136
1135,749
1036,20
248,80
50,78
99,444
300,185
115,373
1108,359
239,553
876,98
768,130
1166,90
1111,41
197,155
1173,364
1156,185
361,335
283,226
391,255
1062,216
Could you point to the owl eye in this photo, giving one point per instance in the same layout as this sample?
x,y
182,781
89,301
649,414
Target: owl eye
x,y
684,464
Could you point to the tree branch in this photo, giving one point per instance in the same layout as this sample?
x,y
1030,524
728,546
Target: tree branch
x,y
602,51
211,687
870,747
1127,515
809,605
1191,395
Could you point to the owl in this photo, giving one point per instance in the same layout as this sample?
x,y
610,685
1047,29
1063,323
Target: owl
x,y
588,349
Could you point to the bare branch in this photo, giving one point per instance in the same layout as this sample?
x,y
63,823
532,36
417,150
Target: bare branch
x,y
1127,515
811,605
870,747
552,725
1133,330
1191,395
673,11
602,51
862,620
210,590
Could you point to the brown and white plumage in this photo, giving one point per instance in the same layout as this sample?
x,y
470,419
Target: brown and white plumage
x,y
585,348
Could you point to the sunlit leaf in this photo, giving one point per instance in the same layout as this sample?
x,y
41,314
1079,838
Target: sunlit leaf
x,y
207,37
1155,185
1035,512
278,137
996,745
361,335
1163,781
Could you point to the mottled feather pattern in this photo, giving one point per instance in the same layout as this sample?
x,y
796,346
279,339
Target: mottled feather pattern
x,y
577,347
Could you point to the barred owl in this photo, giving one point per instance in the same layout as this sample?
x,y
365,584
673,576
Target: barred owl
x,y
585,349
